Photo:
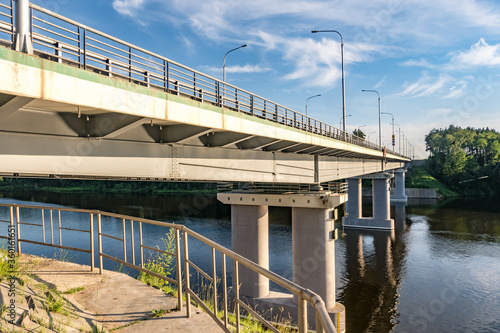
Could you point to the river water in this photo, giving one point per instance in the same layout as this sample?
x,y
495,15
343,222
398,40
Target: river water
x,y
439,271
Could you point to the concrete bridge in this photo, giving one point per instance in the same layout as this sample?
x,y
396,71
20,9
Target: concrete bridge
x,y
77,103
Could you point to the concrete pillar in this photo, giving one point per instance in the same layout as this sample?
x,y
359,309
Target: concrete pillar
x,y
250,238
380,197
353,204
399,186
314,252
22,40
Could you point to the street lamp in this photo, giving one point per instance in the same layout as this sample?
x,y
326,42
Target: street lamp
x,y
343,78
379,123
224,63
309,99
393,136
399,144
368,135
340,123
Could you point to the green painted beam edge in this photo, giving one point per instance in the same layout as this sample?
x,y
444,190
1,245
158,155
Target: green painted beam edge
x,y
64,69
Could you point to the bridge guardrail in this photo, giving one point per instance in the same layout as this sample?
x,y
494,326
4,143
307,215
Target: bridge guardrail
x,y
280,188
63,40
57,221
6,22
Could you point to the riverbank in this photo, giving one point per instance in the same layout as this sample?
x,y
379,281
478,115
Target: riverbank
x,y
104,186
57,296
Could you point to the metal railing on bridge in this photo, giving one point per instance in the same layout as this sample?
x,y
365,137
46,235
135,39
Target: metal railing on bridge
x,y
63,40
50,223
283,188
6,22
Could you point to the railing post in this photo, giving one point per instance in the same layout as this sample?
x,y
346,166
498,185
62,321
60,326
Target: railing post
x,y
59,53
132,241
224,288
60,231
251,104
109,67
22,41
18,229
124,241
186,273
237,296
147,79
214,277
99,242
302,314
12,218
91,229
141,250
179,267
43,225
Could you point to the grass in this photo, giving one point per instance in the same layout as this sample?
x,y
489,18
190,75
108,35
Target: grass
x,y
419,177
73,290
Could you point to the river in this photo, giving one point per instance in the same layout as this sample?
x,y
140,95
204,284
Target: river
x,y
439,271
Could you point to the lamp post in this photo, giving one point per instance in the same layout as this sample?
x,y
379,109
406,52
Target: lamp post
x,y
399,143
343,77
224,63
309,99
379,123
393,136
340,123
368,135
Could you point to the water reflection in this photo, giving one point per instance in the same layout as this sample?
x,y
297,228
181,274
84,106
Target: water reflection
x,y
436,272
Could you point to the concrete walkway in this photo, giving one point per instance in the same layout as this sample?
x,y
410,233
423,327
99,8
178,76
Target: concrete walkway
x,y
111,301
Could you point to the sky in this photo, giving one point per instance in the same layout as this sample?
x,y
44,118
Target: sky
x,y
433,62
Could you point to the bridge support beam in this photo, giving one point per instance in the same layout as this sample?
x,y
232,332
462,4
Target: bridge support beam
x,y
381,218
399,188
250,238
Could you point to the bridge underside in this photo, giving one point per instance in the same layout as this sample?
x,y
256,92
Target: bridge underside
x,y
65,122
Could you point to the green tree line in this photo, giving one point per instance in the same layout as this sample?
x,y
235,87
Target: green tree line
x,y
465,159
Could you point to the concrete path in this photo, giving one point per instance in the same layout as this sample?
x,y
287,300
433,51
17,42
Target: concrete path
x,y
111,301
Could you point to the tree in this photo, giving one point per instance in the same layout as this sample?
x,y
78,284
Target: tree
x,y
359,133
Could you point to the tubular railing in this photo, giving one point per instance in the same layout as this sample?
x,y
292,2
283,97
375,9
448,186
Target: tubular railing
x,y
279,188
54,220
63,40
6,22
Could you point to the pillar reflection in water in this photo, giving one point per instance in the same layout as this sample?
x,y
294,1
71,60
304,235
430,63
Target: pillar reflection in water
x,y
374,259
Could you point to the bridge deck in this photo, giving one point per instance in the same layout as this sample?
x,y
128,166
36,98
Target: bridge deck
x,y
89,105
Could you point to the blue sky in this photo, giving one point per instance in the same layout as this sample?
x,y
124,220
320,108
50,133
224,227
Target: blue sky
x,y
434,62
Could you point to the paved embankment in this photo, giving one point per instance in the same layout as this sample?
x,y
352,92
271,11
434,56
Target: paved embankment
x,y
69,297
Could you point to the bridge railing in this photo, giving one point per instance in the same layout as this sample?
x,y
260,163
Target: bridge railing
x,y
283,188
6,22
108,232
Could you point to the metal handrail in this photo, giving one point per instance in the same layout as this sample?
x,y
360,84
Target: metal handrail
x,y
323,321
7,21
212,90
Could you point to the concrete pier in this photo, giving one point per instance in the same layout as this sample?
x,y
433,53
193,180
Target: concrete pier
x,y
313,238
313,234
399,186
250,238
381,215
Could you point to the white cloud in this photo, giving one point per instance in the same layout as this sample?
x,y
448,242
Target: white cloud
x,y
480,54
457,90
380,83
128,7
425,86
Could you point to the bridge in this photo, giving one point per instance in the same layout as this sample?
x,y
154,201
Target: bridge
x,y
78,103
